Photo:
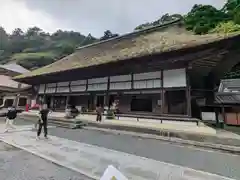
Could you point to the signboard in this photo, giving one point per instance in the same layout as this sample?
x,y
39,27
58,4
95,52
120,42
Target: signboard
x,y
111,173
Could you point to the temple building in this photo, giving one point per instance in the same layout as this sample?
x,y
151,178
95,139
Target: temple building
x,y
13,92
162,70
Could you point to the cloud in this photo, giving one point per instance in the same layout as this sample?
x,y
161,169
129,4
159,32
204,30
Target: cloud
x,y
96,16
15,14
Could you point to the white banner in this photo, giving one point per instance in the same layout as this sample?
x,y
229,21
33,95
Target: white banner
x,y
111,173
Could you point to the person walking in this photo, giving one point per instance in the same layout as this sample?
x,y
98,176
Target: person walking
x,y
10,117
42,122
99,113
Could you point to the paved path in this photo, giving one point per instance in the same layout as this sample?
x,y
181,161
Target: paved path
x,y
93,160
210,161
16,164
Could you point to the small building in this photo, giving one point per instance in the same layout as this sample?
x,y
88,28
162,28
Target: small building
x,y
228,99
10,90
163,70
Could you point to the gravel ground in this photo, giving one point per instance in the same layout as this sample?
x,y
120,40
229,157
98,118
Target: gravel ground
x,y
16,164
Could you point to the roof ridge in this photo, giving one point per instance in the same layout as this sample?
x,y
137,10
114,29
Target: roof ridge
x,y
145,30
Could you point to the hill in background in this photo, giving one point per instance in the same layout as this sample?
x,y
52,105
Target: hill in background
x,y
36,48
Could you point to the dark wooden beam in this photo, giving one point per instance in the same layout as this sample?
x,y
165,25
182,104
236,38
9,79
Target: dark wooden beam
x,y
188,93
106,99
132,84
162,94
86,84
69,86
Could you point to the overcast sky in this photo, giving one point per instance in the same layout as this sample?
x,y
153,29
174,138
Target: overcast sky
x,y
90,16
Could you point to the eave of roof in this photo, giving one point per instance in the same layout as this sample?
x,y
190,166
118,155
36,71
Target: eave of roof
x,y
132,45
227,98
6,81
14,68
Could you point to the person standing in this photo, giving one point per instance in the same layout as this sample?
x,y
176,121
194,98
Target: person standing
x,y
42,122
10,116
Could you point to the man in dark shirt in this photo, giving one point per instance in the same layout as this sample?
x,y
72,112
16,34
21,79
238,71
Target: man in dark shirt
x,y
10,116
43,117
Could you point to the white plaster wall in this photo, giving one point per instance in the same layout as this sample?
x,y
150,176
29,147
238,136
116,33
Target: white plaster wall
x,y
147,75
174,78
120,78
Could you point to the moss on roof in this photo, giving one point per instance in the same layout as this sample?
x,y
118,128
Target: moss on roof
x,y
117,49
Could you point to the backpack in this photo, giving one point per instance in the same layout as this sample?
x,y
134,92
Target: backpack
x,y
12,113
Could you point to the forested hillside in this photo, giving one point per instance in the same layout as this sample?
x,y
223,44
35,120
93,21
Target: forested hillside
x,y
203,19
36,48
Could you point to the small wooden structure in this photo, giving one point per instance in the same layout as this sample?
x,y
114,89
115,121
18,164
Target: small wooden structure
x,y
13,92
162,70
228,98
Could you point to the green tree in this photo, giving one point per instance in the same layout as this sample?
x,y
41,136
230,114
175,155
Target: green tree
x,y
143,26
66,48
35,48
17,41
33,31
226,27
3,39
232,9
17,32
167,18
203,18
164,19
88,40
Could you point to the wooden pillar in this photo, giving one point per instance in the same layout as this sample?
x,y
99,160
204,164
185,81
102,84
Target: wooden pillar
x,y
188,93
52,105
44,100
15,103
216,115
162,94
95,97
132,85
44,94
34,96
67,101
106,98
223,114
16,100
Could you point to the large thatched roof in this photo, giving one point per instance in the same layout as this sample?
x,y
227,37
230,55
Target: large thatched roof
x,y
150,41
